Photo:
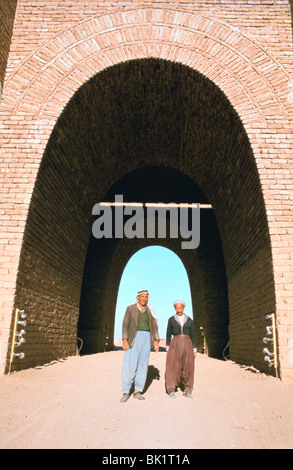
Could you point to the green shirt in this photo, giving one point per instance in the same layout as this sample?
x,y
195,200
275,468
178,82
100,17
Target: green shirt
x,y
143,321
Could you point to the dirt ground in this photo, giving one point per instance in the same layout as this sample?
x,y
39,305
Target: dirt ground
x,y
75,404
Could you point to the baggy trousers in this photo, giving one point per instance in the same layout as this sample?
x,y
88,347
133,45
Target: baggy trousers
x,y
180,364
135,362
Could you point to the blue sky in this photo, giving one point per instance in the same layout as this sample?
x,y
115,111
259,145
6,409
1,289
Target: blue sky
x,y
161,272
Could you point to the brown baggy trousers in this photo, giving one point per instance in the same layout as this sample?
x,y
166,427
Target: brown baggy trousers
x,y
180,364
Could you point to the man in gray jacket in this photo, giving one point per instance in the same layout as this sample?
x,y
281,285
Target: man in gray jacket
x,y
139,335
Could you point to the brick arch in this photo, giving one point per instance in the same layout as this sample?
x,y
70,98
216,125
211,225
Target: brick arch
x,y
205,268
166,115
58,68
257,88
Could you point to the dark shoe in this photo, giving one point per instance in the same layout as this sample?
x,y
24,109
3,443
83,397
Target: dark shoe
x,y
138,395
124,397
172,395
188,395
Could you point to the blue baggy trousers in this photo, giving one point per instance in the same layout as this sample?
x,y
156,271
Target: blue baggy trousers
x,y
135,362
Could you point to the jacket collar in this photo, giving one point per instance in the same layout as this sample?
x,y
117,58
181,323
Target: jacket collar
x,y
176,317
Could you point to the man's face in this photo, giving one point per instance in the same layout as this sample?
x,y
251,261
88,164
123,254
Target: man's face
x,y
143,299
179,308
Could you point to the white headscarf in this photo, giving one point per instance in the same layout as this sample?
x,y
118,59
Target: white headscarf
x,y
179,302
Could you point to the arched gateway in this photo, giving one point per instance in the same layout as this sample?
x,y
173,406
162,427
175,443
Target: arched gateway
x,y
115,111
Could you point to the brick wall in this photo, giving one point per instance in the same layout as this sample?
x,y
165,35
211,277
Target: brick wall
x,y
233,137
7,12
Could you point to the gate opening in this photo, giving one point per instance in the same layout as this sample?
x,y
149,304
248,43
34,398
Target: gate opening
x,y
107,258
163,274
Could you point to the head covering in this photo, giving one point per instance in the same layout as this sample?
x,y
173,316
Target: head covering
x,y
142,291
179,302
153,312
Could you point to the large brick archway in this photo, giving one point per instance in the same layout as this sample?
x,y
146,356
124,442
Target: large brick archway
x,y
236,82
160,115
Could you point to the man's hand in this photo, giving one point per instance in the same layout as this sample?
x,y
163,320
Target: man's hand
x,y
156,346
125,345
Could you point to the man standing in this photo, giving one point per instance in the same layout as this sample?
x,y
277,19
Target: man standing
x,y
181,351
139,334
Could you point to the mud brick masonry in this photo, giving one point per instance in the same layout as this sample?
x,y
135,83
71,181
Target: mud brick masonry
x,y
161,101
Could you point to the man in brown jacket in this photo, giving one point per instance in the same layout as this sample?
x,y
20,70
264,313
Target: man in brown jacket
x,y
139,335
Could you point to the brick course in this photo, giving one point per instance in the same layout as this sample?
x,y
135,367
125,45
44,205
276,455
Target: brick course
x,y
244,49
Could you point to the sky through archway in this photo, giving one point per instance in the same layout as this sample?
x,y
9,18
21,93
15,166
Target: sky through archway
x,y
161,271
